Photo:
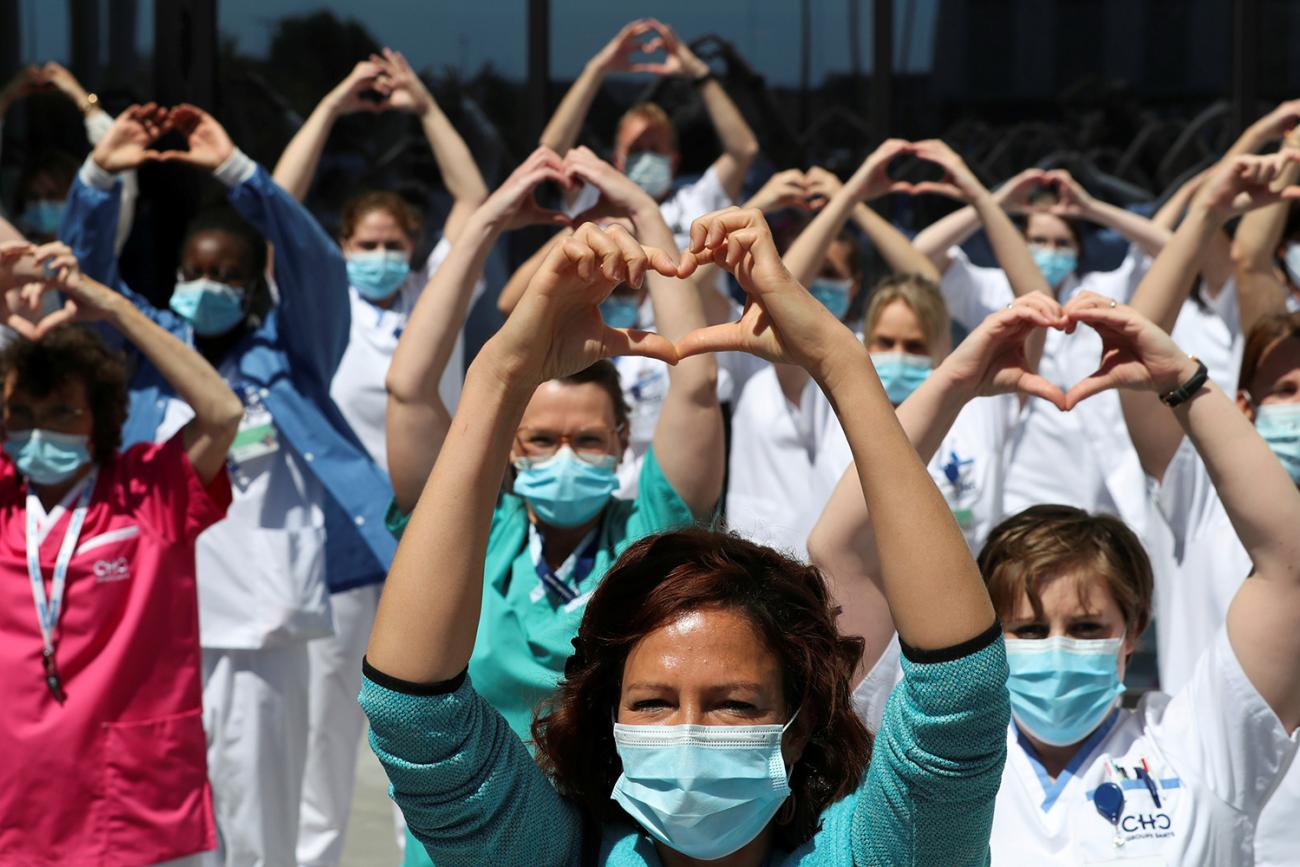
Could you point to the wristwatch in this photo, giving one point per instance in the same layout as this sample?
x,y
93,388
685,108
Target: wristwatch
x,y
1183,393
90,103
701,80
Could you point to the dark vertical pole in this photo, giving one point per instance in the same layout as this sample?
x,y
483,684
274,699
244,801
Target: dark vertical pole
x,y
539,67
882,69
185,52
1245,67
83,41
10,38
805,61
122,61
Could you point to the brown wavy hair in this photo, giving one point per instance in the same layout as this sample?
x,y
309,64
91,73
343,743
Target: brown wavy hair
x,y
657,580
356,208
1266,336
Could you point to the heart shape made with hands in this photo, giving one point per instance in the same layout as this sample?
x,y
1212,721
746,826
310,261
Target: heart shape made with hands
x,y
28,315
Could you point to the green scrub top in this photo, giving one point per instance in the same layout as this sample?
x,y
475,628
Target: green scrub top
x,y
523,642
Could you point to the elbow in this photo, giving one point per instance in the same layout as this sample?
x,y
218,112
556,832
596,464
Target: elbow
x,y
746,150
401,387
229,414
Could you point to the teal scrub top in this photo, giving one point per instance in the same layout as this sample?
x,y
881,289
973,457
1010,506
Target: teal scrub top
x,y
523,643
524,637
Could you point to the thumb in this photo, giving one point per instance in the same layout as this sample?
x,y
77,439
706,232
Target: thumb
x,y
714,338
1033,384
633,341
1094,383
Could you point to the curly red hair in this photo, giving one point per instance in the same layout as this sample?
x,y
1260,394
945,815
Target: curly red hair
x,y
656,581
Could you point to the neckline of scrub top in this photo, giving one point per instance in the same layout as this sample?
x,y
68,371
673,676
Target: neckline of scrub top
x,y
1052,789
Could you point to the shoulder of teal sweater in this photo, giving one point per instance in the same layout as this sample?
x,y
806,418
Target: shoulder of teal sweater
x,y
835,833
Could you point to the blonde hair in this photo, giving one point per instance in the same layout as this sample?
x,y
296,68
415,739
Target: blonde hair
x,y
924,299
651,112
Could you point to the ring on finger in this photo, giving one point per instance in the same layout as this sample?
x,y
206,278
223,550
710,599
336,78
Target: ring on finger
x,y
1113,303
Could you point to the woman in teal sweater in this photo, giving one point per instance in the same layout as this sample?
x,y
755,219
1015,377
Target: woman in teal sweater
x,y
704,716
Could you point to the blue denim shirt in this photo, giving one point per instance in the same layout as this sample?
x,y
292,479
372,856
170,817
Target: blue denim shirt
x,y
290,358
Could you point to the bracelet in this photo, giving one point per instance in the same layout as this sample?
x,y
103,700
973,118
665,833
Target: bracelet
x,y
704,79
1183,393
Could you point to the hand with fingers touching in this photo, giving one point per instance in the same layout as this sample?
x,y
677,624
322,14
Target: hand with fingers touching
x,y
209,144
782,322
128,141
617,54
872,180
995,358
1072,199
959,181
679,59
619,195
514,203
556,328
406,90
1278,122
366,88
1135,353
1244,183
820,186
787,189
1013,196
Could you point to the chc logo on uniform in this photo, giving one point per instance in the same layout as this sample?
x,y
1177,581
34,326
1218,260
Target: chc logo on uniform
x,y
112,570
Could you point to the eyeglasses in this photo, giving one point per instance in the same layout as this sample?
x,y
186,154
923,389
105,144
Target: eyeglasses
x,y
591,444
59,418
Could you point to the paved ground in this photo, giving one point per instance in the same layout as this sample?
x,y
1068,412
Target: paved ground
x,y
370,841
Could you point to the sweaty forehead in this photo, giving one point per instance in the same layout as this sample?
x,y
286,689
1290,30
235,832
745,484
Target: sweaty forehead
x,y
704,648
562,407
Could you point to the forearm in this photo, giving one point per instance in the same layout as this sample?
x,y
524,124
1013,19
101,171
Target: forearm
x,y
8,232
739,145
893,246
297,165
1259,497
934,241
923,555
1160,295
427,621
1010,249
562,131
430,334
519,280
805,257
414,434
460,172
1151,237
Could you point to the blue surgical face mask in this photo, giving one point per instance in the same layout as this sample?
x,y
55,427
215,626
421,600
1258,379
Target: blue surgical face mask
x,y
651,171
900,373
1279,425
1063,688
833,293
46,457
703,791
565,490
620,311
1056,265
211,308
43,216
377,274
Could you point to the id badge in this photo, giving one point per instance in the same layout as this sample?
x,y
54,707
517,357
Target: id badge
x,y
257,436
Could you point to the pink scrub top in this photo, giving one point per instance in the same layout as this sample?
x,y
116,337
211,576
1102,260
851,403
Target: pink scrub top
x,y
117,775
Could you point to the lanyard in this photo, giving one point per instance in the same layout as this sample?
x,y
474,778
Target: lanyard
x,y
566,590
47,610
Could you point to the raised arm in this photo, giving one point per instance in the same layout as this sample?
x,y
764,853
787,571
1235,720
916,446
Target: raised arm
x,y
1077,203
1236,185
217,411
998,357
935,240
923,554
561,133
297,165
417,419
1260,499
427,622
1005,239
688,438
460,172
1261,289
805,256
523,275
